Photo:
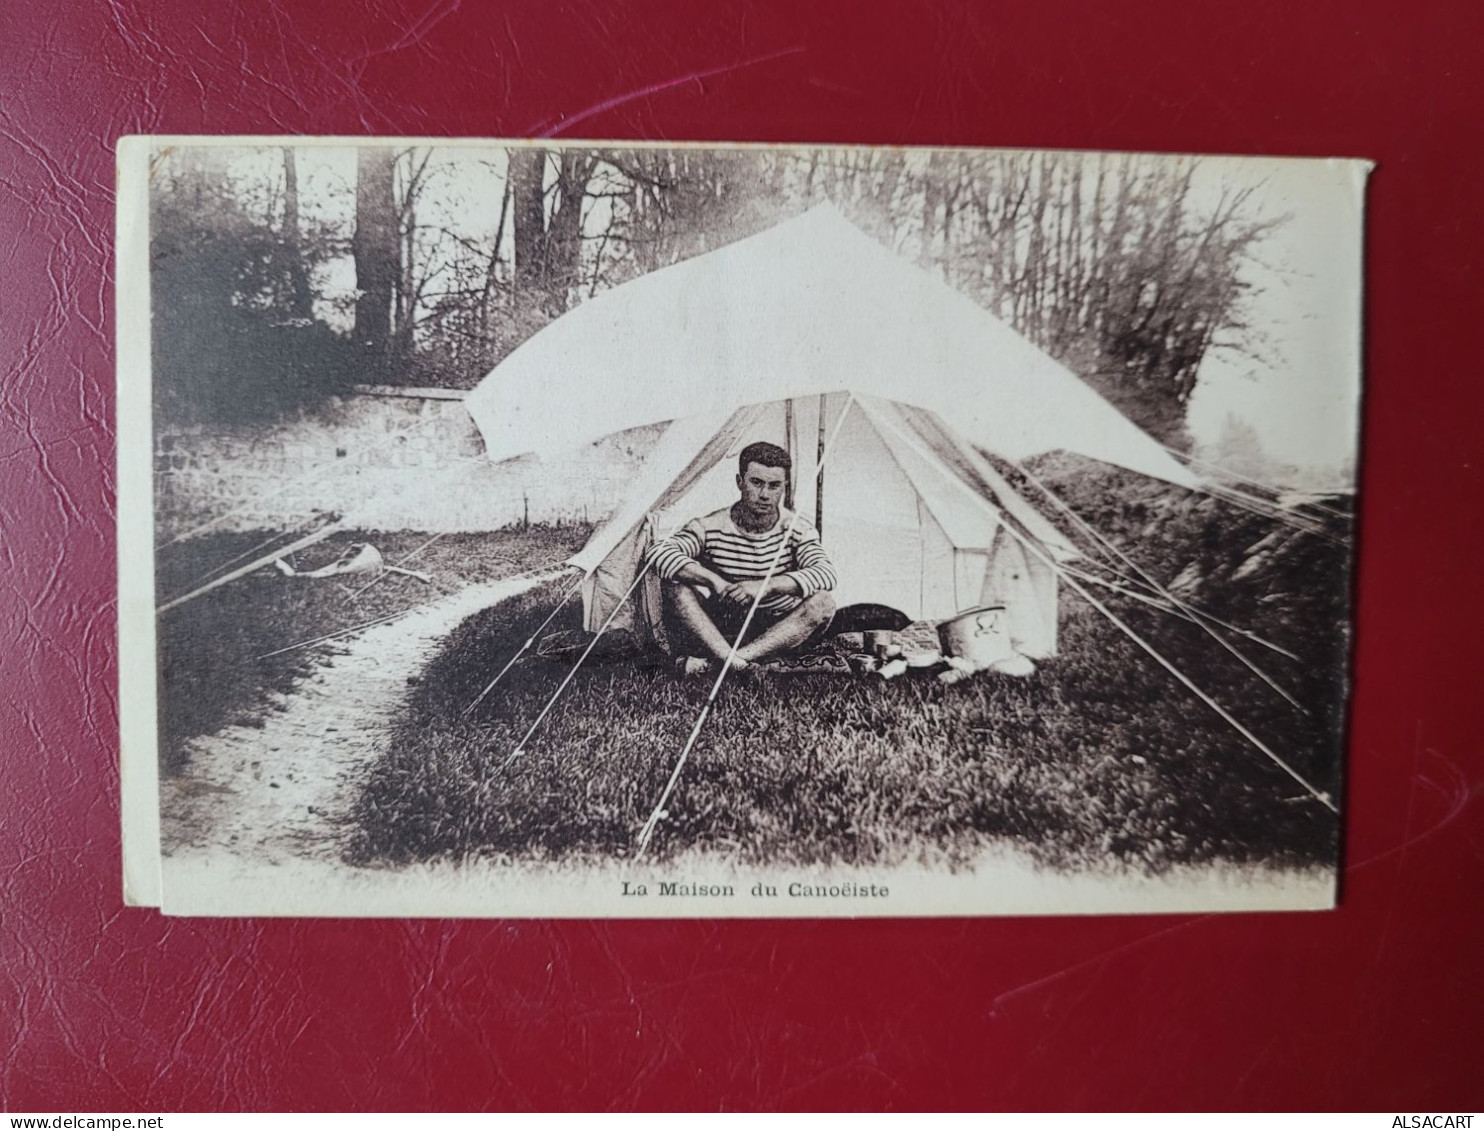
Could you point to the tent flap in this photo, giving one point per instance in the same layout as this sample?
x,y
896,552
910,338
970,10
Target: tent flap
x,y
903,527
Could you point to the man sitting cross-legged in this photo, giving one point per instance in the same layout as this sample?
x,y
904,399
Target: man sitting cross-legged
x,y
714,567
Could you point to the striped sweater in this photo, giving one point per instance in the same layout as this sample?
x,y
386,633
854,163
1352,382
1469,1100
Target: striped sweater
x,y
719,544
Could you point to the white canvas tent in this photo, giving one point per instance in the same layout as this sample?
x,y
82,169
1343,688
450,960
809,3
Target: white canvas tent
x,y
759,340
762,338
911,516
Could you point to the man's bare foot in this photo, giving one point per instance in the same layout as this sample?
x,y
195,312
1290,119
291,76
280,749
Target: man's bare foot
x,y
753,671
688,667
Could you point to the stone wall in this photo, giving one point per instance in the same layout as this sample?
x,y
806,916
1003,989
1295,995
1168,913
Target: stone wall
x,y
384,459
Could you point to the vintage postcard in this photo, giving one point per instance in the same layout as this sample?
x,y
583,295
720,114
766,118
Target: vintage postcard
x,y
601,529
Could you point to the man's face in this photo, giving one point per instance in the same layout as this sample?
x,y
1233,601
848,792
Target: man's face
x,y
762,488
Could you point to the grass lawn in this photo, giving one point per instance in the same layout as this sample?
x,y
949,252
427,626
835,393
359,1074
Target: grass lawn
x,y
211,671
1101,756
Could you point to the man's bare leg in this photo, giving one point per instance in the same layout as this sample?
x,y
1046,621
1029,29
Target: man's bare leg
x,y
801,627
688,609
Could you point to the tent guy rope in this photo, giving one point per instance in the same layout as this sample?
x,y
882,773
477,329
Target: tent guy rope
x,y
1164,592
1152,602
318,516
387,571
342,632
752,414
390,616
1196,461
561,688
557,694
1273,512
341,522
530,640
1318,795
256,564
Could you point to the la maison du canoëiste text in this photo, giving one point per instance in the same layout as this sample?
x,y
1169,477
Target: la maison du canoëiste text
x,y
797,889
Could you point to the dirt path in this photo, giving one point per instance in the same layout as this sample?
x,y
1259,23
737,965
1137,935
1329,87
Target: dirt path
x,y
274,793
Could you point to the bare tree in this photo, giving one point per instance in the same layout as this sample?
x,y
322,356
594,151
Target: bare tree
x,y
377,253
410,171
301,299
528,186
564,229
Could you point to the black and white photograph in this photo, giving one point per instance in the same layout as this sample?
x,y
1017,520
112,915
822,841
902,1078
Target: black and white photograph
x,y
600,529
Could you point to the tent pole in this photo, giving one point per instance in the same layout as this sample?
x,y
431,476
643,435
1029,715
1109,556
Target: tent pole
x,y
789,446
819,469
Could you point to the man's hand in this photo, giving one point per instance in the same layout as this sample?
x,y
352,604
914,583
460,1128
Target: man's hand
x,y
694,573
741,592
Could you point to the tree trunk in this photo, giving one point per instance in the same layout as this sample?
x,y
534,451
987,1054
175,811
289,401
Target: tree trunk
x,y
377,254
528,183
486,309
564,235
301,299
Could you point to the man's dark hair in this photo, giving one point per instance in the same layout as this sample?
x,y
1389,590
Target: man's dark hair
x,y
769,455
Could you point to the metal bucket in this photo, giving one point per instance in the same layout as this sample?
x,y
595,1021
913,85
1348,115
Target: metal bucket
x,y
981,636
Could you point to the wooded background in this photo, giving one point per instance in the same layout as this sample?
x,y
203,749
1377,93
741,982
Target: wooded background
x,y
1110,263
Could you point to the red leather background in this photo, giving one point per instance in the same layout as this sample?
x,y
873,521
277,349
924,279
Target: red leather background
x,y
1374,1006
